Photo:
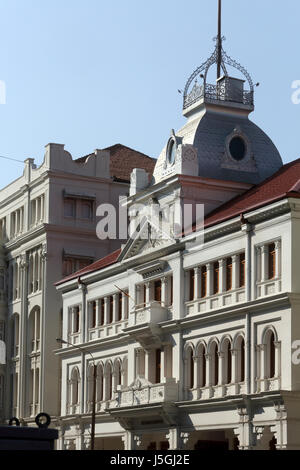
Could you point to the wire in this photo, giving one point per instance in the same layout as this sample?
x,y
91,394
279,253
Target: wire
x,y
12,159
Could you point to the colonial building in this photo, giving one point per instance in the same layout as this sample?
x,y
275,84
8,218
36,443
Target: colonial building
x,y
192,335
47,230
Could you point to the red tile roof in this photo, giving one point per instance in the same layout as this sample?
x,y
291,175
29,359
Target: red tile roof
x,y
123,160
100,264
285,182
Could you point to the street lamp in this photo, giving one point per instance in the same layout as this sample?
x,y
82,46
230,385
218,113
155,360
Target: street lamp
x,y
62,341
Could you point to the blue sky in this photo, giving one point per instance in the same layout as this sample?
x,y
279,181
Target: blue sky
x,y
93,73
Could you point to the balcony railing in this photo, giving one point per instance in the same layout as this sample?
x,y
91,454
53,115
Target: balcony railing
x,y
215,301
267,385
217,93
268,287
145,393
153,312
107,330
217,391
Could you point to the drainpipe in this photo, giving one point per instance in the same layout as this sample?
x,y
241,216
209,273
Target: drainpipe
x,y
83,288
247,228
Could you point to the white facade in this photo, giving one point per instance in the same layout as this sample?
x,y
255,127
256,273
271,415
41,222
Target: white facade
x,y
180,370
201,357
47,224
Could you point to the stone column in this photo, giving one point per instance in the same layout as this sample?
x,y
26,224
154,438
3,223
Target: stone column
x,y
106,310
222,275
115,307
209,274
221,368
148,293
124,306
235,271
197,280
173,438
277,258
208,369
234,375
164,292
264,262
277,345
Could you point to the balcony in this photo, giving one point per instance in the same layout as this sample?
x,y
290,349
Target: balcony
x,y
153,312
269,287
216,301
216,93
217,391
268,385
142,392
105,331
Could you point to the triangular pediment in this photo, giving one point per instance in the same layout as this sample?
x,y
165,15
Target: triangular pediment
x,y
147,238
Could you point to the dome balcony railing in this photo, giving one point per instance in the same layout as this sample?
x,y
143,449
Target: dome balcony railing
x,y
217,93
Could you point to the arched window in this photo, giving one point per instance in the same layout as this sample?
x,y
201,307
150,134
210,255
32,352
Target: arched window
x,y
90,378
189,367
117,374
34,329
227,361
240,364
201,366
270,353
214,364
108,382
99,389
15,335
74,387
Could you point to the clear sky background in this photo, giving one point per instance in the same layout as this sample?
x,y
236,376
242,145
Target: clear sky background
x,y
93,73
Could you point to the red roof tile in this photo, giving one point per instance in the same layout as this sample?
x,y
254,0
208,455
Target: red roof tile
x,y
285,182
97,266
123,160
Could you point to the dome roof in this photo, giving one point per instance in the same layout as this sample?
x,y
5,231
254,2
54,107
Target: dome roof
x,y
211,134
228,145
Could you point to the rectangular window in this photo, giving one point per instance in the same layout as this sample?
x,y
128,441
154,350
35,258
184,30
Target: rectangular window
x,y
120,306
216,278
101,308
70,207
86,209
203,282
157,291
93,314
242,269
272,260
157,366
72,265
171,290
192,284
229,274
111,308
76,320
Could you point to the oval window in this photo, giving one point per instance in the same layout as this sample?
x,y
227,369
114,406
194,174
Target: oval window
x,y
171,151
237,148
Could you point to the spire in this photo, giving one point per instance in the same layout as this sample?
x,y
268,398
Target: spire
x,y
219,39
227,89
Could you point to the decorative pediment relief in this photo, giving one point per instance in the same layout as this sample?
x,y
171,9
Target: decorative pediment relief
x,y
146,238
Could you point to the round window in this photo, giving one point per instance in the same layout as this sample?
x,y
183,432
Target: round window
x,y
171,151
237,147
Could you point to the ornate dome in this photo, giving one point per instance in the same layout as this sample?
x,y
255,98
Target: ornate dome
x,y
228,145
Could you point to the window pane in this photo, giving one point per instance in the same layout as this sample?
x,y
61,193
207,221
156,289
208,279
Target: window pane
x,y
86,209
69,208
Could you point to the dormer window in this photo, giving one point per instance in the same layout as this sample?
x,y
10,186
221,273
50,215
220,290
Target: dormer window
x,y
171,151
238,148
